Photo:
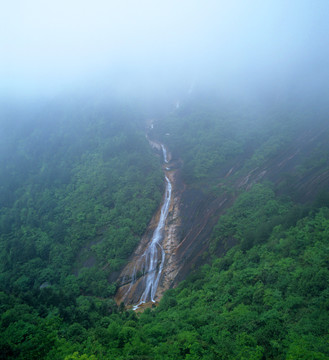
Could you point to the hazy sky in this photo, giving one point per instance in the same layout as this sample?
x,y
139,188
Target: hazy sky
x,y
49,46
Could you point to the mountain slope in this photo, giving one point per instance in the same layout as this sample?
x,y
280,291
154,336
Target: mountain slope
x,y
79,189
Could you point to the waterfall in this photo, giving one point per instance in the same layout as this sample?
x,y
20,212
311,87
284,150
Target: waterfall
x,y
151,263
164,152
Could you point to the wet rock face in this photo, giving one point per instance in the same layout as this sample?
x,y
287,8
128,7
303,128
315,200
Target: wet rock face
x,y
152,267
188,227
133,278
126,277
170,244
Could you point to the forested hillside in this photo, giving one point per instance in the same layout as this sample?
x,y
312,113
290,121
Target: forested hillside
x,y
79,185
269,302
164,180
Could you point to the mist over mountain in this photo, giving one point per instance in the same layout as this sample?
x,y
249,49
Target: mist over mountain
x,y
164,176
155,47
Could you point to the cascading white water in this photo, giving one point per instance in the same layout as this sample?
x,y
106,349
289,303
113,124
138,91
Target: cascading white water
x,y
164,152
151,262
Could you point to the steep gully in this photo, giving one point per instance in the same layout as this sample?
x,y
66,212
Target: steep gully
x,y
152,261
143,279
181,236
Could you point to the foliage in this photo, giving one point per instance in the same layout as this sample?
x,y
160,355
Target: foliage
x,y
83,191
78,188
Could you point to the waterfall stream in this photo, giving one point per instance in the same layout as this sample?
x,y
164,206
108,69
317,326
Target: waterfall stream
x,y
164,153
150,264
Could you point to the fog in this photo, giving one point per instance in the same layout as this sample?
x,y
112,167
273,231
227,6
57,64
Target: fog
x,y
147,47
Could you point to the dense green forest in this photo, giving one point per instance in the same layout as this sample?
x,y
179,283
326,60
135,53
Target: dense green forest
x,y
78,186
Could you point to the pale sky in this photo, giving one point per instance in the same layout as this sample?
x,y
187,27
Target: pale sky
x,y
50,46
